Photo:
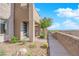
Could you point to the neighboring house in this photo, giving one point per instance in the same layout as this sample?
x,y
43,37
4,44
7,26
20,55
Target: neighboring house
x,y
20,20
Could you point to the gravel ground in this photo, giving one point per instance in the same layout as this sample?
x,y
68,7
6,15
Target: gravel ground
x,y
10,49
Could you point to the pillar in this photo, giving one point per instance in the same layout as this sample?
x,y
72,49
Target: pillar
x,y
31,23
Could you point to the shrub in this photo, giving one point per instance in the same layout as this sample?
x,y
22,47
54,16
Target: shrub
x,y
32,45
29,54
2,52
14,39
44,45
42,35
55,31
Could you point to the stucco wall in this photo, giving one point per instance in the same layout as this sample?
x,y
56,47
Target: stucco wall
x,y
36,16
10,25
21,14
17,14
72,32
7,14
70,42
5,10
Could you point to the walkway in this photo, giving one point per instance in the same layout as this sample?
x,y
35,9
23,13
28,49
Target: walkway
x,y
55,48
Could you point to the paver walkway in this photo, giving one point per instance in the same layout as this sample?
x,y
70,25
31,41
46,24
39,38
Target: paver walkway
x,y
56,48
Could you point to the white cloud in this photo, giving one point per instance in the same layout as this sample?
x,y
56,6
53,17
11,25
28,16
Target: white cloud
x,y
68,24
54,26
68,12
65,12
37,9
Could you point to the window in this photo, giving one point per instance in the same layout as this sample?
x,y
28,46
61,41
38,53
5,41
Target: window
x,y
2,26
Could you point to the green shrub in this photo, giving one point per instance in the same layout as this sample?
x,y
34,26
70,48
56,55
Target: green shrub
x,y
55,30
42,35
44,45
2,52
32,45
14,39
29,54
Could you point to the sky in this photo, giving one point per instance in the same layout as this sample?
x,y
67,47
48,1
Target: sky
x,y
65,16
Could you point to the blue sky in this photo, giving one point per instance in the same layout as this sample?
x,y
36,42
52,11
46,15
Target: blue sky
x,y
65,15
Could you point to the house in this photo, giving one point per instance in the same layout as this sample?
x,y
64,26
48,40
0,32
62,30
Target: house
x,y
20,20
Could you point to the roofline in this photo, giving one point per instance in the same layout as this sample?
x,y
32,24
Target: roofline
x,y
37,11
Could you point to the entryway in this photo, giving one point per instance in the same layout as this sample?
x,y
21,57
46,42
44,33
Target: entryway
x,y
24,31
2,30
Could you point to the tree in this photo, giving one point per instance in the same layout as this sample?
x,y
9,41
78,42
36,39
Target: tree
x,y
45,23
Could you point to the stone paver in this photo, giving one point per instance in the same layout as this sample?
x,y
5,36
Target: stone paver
x,y
56,48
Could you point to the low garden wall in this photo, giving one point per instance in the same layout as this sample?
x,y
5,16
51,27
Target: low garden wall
x,y
71,32
70,42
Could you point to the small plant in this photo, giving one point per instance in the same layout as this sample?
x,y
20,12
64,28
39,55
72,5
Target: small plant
x,y
14,39
44,45
2,52
29,54
42,35
32,45
13,54
55,31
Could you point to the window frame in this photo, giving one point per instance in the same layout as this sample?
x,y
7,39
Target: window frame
x,y
3,26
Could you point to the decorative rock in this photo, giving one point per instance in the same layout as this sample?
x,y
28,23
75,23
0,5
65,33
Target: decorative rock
x,y
21,52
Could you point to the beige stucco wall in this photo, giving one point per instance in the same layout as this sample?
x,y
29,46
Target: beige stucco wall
x,y
72,32
6,13
16,14
21,14
28,14
36,16
5,10
31,23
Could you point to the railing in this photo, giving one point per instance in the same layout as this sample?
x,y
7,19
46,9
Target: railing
x,y
70,42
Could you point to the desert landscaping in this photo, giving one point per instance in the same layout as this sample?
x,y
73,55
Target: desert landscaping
x,y
26,48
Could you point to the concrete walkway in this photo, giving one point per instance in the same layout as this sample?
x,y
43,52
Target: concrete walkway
x,y
55,48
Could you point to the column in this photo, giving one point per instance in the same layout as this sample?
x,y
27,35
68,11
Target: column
x,y
11,22
31,23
